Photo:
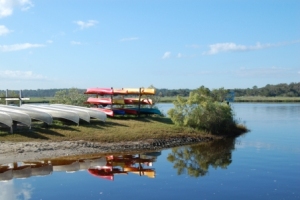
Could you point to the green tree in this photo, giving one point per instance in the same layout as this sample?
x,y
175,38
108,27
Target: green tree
x,y
71,97
203,110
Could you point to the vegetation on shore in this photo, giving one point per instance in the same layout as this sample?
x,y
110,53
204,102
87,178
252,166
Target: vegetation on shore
x,y
118,129
204,114
270,93
205,110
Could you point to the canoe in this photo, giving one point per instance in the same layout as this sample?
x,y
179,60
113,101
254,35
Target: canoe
x,y
143,91
127,111
123,91
56,112
137,101
147,110
96,114
34,114
104,101
108,101
22,118
100,91
83,115
108,112
105,91
6,119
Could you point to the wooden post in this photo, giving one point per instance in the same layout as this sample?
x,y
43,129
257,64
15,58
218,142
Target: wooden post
x,y
112,98
139,103
20,96
6,95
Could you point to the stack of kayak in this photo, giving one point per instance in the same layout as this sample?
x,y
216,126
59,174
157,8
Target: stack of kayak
x,y
131,101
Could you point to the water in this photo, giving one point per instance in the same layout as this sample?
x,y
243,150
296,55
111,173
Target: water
x,y
263,164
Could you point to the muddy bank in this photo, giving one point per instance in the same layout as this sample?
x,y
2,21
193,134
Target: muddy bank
x,y
24,151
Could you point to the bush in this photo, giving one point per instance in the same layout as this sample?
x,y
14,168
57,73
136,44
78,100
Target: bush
x,y
70,97
204,110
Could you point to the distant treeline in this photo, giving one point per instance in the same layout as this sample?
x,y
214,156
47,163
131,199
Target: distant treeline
x,y
283,90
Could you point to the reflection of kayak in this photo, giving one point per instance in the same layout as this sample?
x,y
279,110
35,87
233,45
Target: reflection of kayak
x,y
102,172
140,171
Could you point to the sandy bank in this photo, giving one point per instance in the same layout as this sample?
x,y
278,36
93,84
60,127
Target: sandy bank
x,y
24,151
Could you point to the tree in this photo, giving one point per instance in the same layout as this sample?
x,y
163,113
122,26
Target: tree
x,y
71,97
203,110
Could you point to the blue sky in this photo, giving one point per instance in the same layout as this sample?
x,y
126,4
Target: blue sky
x,y
170,44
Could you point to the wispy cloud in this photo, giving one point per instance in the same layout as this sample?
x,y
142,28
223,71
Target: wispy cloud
x,y
179,55
75,43
129,39
18,47
264,72
49,41
232,47
21,75
87,24
4,30
7,6
166,55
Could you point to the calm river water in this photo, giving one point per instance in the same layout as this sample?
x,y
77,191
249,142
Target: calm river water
x,y
263,164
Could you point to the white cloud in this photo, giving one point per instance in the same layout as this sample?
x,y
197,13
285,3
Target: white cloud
x,y
75,43
21,75
267,71
10,191
166,55
49,41
7,6
87,24
4,30
18,47
232,47
179,55
129,39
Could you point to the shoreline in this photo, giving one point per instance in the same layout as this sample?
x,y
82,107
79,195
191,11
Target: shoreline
x,y
33,151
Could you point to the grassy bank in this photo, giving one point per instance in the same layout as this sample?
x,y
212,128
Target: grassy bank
x,y
266,99
113,130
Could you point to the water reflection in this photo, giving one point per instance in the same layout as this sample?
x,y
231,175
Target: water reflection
x,y
102,167
195,160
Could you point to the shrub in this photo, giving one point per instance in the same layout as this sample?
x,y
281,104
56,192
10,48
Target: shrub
x,y
203,110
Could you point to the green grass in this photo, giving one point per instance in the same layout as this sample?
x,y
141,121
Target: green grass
x,y
119,129
113,130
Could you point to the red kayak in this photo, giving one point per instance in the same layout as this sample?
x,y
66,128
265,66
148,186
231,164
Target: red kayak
x,y
108,112
106,91
108,101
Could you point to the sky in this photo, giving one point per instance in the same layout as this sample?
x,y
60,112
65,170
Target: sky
x,y
173,44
